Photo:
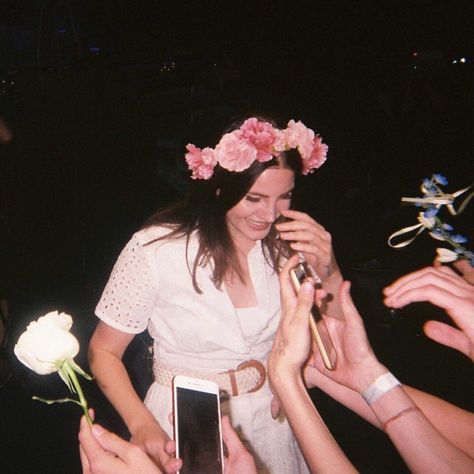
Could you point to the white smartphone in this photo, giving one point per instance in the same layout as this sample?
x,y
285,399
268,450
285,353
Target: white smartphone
x,y
316,321
197,425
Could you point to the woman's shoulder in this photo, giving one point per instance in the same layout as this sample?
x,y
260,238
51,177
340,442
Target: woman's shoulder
x,y
160,234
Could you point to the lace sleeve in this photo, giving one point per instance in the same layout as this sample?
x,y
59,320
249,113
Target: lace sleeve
x,y
128,297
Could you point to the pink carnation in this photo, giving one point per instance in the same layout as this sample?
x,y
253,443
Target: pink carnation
x,y
299,136
280,141
200,162
317,158
235,154
261,135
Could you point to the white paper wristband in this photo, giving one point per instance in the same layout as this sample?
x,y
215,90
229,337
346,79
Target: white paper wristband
x,y
381,385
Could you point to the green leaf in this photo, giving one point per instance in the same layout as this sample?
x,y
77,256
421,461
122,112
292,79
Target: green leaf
x,y
78,369
59,400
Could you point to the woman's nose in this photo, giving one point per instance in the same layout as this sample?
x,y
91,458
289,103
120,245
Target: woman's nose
x,y
270,213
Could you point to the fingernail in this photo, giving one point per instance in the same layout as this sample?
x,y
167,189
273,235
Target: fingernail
x,y
97,430
307,287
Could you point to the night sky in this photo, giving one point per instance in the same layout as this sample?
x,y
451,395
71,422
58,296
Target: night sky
x,y
103,96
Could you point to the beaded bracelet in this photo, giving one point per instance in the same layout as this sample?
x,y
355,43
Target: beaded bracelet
x,y
399,415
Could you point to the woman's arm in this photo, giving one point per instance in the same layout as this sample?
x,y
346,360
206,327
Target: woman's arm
x,y
456,424
423,443
290,350
106,349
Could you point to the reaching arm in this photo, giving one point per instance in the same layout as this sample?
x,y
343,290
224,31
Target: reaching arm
x,y
290,350
426,428
105,356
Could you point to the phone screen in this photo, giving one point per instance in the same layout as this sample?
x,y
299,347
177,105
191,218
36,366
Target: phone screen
x,y
198,432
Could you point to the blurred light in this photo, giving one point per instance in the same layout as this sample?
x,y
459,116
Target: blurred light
x,y
415,54
455,61
94,49
462,60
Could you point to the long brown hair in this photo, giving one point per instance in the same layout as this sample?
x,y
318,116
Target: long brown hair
x,y
203,210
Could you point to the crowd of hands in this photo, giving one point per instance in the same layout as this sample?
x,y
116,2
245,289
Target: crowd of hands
x,y
426,439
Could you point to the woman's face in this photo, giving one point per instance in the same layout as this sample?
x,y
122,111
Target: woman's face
x,y
252,217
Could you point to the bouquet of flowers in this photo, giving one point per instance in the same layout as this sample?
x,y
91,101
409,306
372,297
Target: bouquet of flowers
x,y
433,200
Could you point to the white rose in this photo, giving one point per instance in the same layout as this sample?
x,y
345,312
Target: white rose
x,y
46,343
446,255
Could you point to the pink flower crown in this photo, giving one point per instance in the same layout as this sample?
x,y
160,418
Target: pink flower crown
x,y
257,140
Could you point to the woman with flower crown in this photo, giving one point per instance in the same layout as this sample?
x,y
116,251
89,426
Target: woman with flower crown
x,y
202,277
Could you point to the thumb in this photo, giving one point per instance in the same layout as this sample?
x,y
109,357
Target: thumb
x,y
230,437
448,336
110,441
347,305
275,407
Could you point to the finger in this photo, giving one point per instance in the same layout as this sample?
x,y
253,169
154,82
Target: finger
x,y
448,336
175,464
305,300
297,216
275,407
91,450
84,461
348,307
463,266
287,292
467,271
111,442
442,277
170,447
435,295
86,437
230,437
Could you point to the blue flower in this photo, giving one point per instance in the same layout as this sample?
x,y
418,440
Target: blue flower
x,y
458,238
447,226
429,188
438,234
431,211
440,179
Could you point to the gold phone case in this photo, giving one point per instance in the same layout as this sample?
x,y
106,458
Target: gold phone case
x,y
316,321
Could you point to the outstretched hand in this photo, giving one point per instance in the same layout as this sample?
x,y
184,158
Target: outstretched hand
x,y
292,344
357,366
446,289
157,445
103,452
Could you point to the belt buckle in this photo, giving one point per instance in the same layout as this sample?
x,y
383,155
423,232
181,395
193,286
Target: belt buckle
x,y
260,368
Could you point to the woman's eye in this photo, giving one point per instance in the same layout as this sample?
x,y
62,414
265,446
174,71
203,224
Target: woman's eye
x,y
252,198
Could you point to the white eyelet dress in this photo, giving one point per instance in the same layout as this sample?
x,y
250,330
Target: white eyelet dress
x,y
151,288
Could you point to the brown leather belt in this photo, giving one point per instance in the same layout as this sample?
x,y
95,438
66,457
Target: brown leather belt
x,y
248,377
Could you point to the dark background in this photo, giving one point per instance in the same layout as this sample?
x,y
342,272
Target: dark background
x,y
103,96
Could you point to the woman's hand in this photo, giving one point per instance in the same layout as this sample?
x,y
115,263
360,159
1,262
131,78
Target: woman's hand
x,y
292,344
446,289
357,366
238,459
312,239
103,452
157,444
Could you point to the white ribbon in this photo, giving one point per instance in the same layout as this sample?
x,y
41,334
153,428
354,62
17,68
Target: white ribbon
x,y
438,201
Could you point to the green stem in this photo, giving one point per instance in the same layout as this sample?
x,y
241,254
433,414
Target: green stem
x,y
77,386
